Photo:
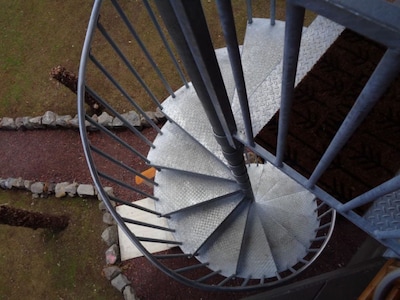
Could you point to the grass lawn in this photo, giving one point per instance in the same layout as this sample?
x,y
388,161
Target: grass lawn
x,y
36,264
38,35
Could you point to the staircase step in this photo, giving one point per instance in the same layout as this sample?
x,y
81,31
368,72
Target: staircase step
x,y
178,190
286,211
226,70
187,111
265,100
175,149
194,226
301,227
256,258
262,50
285,248
223,250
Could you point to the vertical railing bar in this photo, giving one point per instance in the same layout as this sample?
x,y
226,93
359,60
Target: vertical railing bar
x,y
272,12
205,277
386,71
192,267
160,241
143,47
249,11
228,128
120,201
229,30
124,184
119,116
172,256
323,227
144,224
318,239
165,42
226,279
385,188
128,64
123,91
246,281
324,214
293,31
123,165
117,138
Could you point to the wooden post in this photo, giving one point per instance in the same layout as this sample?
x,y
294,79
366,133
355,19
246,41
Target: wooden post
x,y
19,217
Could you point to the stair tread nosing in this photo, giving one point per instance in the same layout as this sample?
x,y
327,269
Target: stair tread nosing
x,y
256,259
176,149
286,250
264,102
195,225
223,250
177,190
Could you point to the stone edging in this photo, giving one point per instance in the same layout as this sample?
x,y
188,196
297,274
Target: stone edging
x,y
110,235
45,189
51,120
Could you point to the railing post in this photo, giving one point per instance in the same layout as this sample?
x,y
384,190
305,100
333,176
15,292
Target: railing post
x,y
187,26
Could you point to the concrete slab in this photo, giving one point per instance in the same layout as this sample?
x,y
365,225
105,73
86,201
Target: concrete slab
x,y
127,249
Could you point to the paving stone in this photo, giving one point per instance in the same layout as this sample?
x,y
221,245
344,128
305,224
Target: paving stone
x,y
27,184
71,189
8,123
112,255
49,119
108,219
110,272
110,235
105,119
36,122
63,121
85,190
37,188
19,122
120,282
129,293
59,189
27,123
18,183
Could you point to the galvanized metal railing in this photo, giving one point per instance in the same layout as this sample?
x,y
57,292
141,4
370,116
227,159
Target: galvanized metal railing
x,y
196,52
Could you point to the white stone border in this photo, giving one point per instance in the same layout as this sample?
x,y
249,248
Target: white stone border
x,y
51,120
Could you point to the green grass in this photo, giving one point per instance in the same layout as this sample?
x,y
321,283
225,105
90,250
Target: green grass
x,y
38,35
37,264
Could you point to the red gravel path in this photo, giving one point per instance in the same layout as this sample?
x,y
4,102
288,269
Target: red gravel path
x,y
57,155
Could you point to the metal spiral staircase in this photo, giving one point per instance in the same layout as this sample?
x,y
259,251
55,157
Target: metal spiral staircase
x,y
239,224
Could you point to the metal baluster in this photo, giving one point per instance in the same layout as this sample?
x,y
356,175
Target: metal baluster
x,y
165,42
386,71
143,47
228,26
272,11
123,91
293,31
249,11
128,64
385,188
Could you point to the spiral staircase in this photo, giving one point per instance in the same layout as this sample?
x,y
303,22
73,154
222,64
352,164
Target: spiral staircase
x,y
233,223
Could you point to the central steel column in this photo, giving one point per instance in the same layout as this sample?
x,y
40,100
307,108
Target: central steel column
x,y
187,26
